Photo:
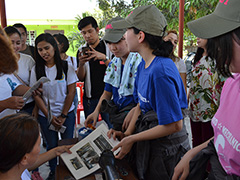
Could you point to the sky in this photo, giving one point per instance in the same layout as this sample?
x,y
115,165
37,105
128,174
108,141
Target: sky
x,y
47,9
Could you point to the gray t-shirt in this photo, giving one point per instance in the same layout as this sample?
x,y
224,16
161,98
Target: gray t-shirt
x,y
27,51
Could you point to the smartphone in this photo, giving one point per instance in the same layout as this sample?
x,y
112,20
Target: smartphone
x,y
61,129
85,49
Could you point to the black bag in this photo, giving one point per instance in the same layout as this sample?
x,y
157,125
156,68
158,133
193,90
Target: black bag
x,y
116,116
199,163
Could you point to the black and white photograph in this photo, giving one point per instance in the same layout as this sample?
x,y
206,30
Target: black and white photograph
x,y
76,163
102,143
88,151
88,155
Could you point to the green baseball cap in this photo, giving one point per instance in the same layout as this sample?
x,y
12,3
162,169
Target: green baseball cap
x,y
111,34
145,18
225,18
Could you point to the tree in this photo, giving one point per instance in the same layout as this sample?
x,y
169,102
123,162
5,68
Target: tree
x,y
75,38
194,9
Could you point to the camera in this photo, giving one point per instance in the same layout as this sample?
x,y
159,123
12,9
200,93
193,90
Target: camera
x,y
107,163
85,50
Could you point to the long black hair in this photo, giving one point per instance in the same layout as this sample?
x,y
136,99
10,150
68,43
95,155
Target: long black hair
x,y
159,46
210,50
223,52
62,39
40,62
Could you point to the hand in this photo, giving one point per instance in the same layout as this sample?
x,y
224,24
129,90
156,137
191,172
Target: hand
x,y
38,91
96,55
56,122
15,102
91,119
61,149
128,118
83,59
125,145
115,134
61,120
126,122
182,168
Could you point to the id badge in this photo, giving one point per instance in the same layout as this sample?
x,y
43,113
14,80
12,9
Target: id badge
x,y
101,62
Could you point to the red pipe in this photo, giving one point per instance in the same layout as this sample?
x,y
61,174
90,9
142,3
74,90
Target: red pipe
x,y
3,14
180,30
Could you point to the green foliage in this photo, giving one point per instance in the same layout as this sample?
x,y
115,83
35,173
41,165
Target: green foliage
x,y
193,9
75,38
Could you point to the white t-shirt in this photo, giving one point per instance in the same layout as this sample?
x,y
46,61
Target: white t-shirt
x,y
56,90
180,65
26,175
72,63
8,83
25,65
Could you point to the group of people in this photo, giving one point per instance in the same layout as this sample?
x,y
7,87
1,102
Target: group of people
x,y
135,81
56,95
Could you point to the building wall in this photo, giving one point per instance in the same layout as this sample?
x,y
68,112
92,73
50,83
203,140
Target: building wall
x,y
36,27
66,29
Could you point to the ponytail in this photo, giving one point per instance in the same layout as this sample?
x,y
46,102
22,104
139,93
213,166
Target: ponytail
x,y
159,46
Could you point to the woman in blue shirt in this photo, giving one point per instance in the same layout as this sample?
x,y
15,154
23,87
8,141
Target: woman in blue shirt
x,y
156,128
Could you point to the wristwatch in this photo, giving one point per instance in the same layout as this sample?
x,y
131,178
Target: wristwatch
x,y
63,115
104,60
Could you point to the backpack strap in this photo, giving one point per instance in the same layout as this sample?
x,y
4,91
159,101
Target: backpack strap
x,y
65,68
71,59
77,57
20,79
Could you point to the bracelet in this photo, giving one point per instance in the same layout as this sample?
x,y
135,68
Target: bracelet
x,y
63,115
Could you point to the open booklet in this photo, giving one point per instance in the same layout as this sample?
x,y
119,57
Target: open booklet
x,y
85,154
27,95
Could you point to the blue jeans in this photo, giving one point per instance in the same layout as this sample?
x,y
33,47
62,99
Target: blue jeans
x,y
89,106
28,108
52,136
75,102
